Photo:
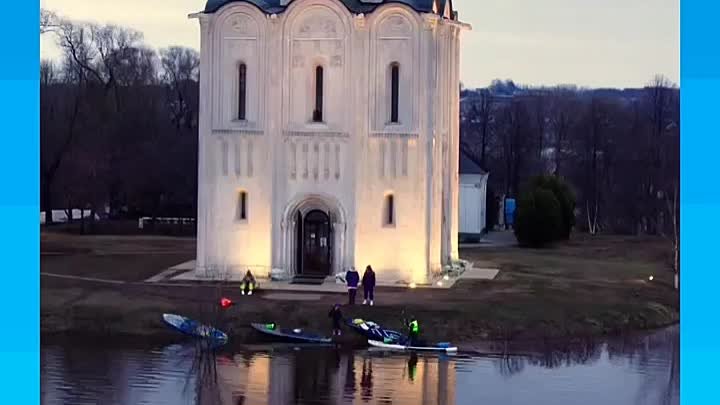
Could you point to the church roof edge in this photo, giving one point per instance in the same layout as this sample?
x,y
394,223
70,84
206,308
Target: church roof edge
x,y
354,6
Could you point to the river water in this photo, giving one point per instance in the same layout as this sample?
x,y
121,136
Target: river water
x,y
643,371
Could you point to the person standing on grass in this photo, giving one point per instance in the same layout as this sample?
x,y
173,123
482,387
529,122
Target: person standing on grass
x,y
368,285
336,315
352,278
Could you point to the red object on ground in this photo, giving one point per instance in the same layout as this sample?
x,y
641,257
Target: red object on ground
x,y
225,302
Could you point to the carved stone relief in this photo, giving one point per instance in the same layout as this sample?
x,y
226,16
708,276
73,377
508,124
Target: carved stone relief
x,y
393,158
319,26
238,155
316,160
319,159
395,26
305,160
336,61
293,160
430,23
360,21
326,161
243,25
224,157
381,166
250,157
404,157
298,61
337,162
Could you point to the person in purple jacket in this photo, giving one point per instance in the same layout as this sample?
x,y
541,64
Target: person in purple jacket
x,y
368,285
352,278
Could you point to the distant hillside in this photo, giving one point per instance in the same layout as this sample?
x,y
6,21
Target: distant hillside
x,y
506,90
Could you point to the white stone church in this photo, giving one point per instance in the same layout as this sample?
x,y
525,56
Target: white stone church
x,y
329,135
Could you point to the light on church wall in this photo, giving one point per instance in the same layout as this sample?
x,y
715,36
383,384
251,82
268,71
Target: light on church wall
x,y
356,132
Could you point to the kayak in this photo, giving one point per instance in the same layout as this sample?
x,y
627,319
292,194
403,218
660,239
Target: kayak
x,y
372,331
194,328
439,347
292,335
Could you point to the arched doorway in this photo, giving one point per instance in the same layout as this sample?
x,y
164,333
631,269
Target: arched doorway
x,y
324,255
315,243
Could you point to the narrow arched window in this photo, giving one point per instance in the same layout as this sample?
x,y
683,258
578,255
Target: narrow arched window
x,y
389,210
242,91
242,206
394,93
318,111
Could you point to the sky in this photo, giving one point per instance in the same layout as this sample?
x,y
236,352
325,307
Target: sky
x,y
589,43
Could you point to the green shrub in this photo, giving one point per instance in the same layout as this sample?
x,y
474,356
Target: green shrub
x,y
565,197
538,221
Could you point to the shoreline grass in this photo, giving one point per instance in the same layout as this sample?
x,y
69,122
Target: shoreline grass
x,y
583,288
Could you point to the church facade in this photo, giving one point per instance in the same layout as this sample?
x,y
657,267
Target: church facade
x,y
329,137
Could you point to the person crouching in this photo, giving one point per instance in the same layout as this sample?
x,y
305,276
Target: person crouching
x,y
248,284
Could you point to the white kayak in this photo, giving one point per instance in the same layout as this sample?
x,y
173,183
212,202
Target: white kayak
x,y
440,347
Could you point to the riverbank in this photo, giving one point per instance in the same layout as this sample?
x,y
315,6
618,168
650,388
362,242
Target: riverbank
x,y
587,287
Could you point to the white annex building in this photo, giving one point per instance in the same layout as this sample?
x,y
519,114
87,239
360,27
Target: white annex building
x,y
473,198
329,137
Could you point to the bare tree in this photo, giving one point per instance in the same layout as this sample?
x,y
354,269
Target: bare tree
x,y
673,210
49,21
540,110
126,154
659,103
562,111
596,121
180,74
48,73
515,135
59,111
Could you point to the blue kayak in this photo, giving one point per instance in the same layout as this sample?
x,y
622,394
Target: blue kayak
x,y
194,328
289,335
372,331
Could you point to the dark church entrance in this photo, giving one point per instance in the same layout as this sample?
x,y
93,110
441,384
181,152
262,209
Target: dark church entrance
x,y
314,244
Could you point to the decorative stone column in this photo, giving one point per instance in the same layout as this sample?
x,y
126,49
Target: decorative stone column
x,y
204,112
339,254
455,151
429,63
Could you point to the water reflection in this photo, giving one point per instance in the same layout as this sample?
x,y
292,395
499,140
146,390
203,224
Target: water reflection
x,y
642,370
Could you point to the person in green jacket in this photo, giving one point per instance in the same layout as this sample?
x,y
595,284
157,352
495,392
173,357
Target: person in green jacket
x,y
413,332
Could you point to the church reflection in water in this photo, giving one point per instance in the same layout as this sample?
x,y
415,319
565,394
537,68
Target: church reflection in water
x,y
334,377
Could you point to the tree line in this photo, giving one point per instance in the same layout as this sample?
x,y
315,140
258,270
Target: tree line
x,y
118,132
119,135
617,149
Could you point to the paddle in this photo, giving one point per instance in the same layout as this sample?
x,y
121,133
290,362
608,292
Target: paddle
x,y
405,323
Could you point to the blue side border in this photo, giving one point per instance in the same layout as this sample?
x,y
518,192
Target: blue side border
x,y
19,203
699,200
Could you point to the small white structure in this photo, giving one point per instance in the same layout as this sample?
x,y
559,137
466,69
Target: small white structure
x,y
329,133
59,216
473,198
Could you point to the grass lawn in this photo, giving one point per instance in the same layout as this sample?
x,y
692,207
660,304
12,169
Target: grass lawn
x,y
126,258
590,285
586,287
